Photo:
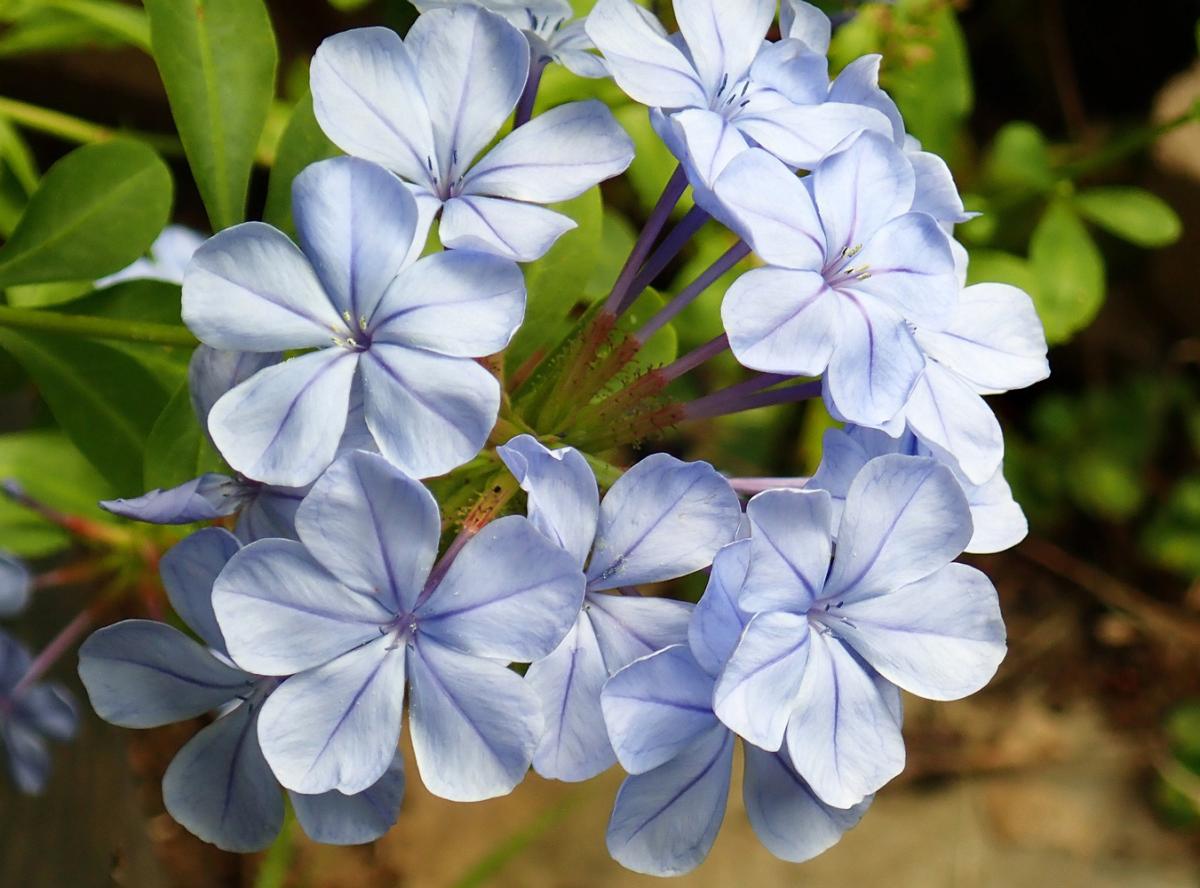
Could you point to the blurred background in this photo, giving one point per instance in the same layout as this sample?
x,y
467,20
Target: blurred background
x,y
1072,126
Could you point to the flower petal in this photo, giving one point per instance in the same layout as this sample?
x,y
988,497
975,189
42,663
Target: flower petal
x,y
373,528
472,66
662,519
954,421
643,61
861,188
936,194
15,585
368,101
518,231
356,223
189,569
843,738
909,265
665,821
28,757
786,815
271,514
336,727
556,156
997,518
657,707
723,38
629,626
475,724
201,499
213,371
282,613
219,786
791,68
791,543
282,426
782,321
858,84
941,637
757,689
333,818
705,143
250,289
50,709
905,518
510,594
429,413
142,674
804,22
564,500
802,135
455,303
717,622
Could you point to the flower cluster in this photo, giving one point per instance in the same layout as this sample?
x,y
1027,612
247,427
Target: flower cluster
x,y
338,372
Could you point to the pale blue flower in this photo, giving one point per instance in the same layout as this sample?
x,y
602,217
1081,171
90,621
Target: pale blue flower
x,y
409,331
168,259
834,634
425,107
15,585
355,612
663,519
660,718
142,674
849,267
38,712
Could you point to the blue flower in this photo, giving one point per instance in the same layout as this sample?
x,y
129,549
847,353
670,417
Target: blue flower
x,y
142,674
425,107
996,518
15,585
660,717
29,716
409,330
717,88
354,612
547,24
850,266
663,519
168,259
833,634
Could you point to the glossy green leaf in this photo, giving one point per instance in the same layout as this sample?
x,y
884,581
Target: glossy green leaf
x,y
1019,158
127,23
1069,270
105,400
302,143
1133,214
996,266
217,59
96,211
52,470
177,449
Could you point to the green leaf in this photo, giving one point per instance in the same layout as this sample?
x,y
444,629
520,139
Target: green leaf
x,y
127,23
1172,538
42,295
49,467
96,211
302,143
1134,214
996,266
217,59
349,5
556,282
105,400
177,449
1019,158
1070,273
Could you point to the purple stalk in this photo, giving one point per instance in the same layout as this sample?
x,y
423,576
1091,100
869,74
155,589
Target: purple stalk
x,y
675,241
723,403
58,646
443,566
689,294
659,217
529,94
694,359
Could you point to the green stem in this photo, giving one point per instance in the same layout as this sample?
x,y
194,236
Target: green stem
x,y
96,328
73,129
276,863
1127,145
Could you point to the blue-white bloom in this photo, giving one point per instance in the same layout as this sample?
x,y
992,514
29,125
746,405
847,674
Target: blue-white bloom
x,y
660,717
168,259
142,674
850,267
994,342
717,88
547,24
15,585
40,711
263,510
354,613
409,331
663,519
834,634
996,518
425,107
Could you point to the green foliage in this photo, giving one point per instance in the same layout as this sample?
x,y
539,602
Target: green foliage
x,y
1019,158
349,5
96,210
177,449
103,398
302,143
40,25
1069,270
126,23
217,59
1172,538
1134,214
1176,791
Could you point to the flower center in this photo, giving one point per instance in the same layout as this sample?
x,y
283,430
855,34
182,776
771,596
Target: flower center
x,y
843,271
730,97
358,341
